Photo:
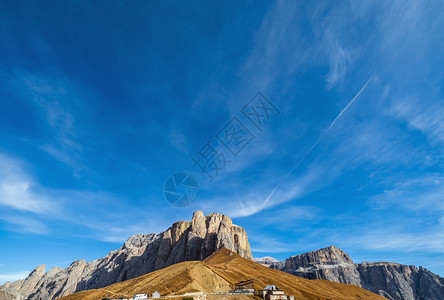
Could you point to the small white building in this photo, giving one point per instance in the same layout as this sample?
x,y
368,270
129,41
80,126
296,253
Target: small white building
x,y
156,294
140,297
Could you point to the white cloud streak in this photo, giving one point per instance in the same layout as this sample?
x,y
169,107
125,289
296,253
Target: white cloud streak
x,y
18,189
31,207
270,195
13,276
338,59
423,116
53,98
17,223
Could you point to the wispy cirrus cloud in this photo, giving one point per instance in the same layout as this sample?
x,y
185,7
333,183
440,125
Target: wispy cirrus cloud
x,y
406,217
28,207
13,276
425,193
422,115
264,243
24,224
393,239
338,57
401,234
56,101
19,191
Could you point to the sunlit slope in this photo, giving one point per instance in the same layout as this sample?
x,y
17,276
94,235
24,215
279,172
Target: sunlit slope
x,y
217,273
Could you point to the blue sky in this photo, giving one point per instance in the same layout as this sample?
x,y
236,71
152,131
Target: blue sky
x,y
100,102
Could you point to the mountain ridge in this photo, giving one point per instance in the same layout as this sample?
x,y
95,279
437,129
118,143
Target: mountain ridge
x,y
198,239
391,280
139,255
217,273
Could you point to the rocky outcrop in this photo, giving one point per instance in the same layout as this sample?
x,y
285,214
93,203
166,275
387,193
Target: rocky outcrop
x,y
10,290
139,255
5,296
265,261
391,280
328,263
396,281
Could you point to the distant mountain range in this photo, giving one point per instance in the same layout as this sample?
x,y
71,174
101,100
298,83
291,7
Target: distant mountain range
x,y
391,280
201,237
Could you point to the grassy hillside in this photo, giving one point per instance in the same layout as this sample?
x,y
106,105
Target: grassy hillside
x,y
217,273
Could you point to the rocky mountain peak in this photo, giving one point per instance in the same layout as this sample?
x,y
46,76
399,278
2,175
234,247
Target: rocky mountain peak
x,y
140,254
198,214
198,224
328,255
266,260
37,272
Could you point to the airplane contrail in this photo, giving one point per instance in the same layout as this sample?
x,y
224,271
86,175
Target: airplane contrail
x,y
318,140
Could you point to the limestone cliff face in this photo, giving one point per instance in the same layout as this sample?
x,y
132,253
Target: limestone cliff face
x,y
396,281
139,255
328,263
391,280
